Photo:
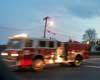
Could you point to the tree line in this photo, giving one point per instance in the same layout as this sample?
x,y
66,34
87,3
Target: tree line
x,y
2,47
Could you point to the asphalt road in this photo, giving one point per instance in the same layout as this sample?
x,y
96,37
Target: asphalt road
x,y
89,70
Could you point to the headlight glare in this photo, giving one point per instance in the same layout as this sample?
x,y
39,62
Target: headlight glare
x,y
4,54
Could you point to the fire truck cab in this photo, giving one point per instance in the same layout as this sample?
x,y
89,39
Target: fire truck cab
x,y
37,53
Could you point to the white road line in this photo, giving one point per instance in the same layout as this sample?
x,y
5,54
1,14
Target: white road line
x,y
92,66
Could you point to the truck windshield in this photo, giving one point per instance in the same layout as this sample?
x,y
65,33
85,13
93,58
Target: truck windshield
x,y
14,44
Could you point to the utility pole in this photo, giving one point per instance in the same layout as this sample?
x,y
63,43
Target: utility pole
x,y
45,26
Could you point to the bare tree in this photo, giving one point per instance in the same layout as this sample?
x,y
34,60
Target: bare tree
x,y
90,34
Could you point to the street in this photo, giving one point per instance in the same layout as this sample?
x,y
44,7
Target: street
x,y
89,70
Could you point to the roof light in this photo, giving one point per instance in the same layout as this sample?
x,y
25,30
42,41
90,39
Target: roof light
x,y
23,35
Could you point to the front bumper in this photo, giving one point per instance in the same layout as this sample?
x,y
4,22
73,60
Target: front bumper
x,y
9,60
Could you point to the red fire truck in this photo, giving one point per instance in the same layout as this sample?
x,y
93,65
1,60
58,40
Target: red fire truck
x,y
37,53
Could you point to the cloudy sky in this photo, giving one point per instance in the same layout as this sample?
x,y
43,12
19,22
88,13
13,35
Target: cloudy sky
x,y
71,18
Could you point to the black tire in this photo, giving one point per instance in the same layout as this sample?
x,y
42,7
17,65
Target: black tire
x,y
77,62
38,65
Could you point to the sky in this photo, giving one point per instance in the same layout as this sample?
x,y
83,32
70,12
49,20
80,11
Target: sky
x,y
71,18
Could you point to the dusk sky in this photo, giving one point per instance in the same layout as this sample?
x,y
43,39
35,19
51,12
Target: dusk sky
x,y
71,18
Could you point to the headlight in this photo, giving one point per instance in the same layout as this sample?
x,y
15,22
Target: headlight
x,y
4,54
14,55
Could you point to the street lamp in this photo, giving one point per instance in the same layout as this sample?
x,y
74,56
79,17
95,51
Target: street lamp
x,y
51,23
45,26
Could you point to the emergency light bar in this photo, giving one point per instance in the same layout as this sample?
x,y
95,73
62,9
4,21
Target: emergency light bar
x,y
23,35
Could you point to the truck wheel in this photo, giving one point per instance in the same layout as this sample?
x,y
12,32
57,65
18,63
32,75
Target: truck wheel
x,y
38,65
77,63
